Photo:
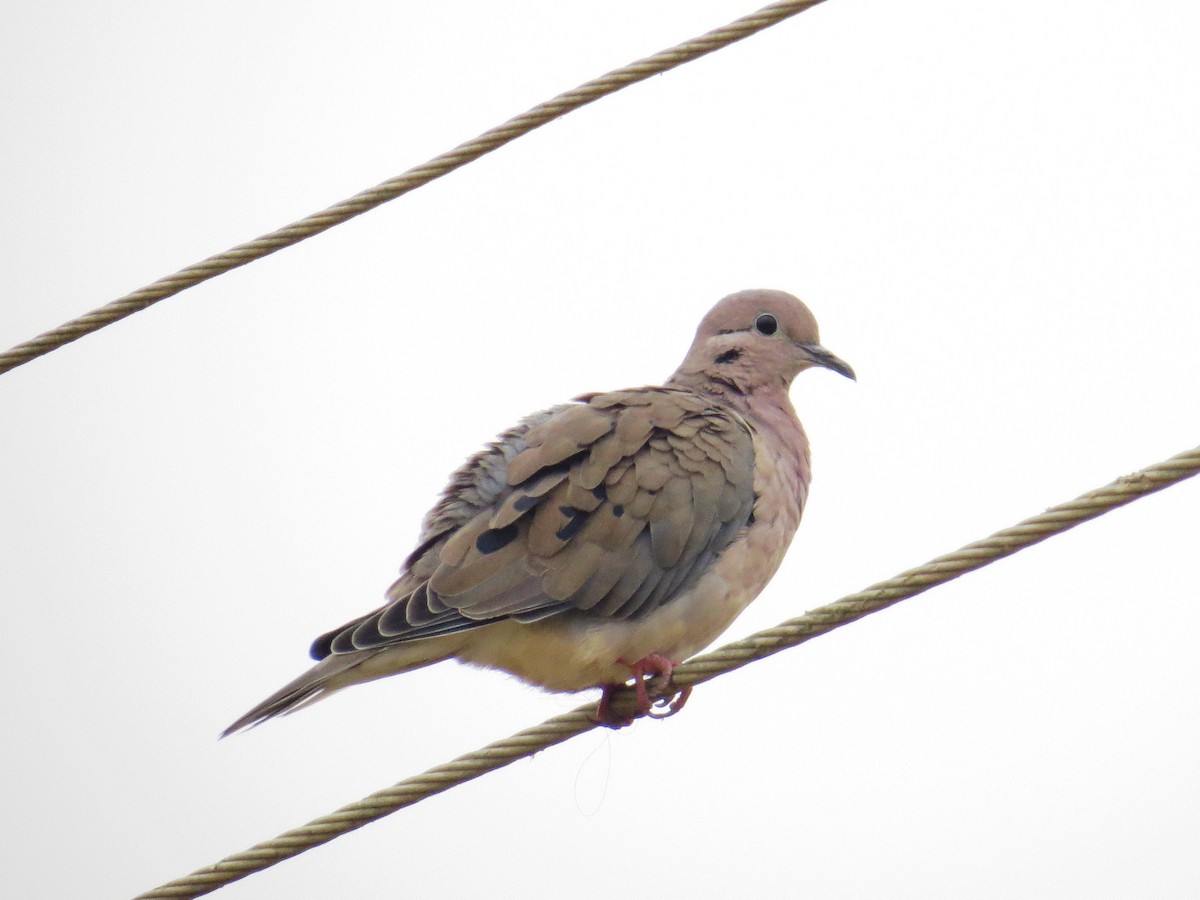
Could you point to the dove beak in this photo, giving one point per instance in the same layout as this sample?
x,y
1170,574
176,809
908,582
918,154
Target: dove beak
x,y
826,360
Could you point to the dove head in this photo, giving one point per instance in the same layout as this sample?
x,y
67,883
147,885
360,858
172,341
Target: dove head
x,y
755,340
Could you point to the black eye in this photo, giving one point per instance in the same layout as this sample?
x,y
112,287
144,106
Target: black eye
x,y
766,324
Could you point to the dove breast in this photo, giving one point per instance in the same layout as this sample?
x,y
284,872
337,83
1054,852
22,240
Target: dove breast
x,y
579,650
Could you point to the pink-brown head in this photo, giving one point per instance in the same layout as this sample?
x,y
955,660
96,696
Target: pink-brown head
x,y
756,339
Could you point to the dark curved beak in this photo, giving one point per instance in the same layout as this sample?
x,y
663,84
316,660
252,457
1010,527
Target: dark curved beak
x,y
826,360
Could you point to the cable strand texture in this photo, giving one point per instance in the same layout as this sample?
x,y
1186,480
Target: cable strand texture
x,y
416,177
696,670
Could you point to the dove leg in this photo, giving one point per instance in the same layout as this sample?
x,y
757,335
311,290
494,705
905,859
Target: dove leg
x,y
659,668
672,704
604,714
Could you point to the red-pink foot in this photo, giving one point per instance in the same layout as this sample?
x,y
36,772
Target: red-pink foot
x,y
659,668
670,705
604,714
656,666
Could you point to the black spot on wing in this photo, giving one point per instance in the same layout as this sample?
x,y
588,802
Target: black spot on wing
x,y
496,539
618,510
575,520
525,503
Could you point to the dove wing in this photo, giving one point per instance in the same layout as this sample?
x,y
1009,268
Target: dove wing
x,y
608,507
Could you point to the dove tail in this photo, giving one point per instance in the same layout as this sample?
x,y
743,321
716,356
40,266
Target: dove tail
x,y
342,670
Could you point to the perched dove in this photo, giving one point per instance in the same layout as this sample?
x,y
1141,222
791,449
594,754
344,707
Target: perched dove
x,y
605,538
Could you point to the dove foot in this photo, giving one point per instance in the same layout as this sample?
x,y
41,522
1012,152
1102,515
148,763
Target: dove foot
x,y
659,670
604,714
670,705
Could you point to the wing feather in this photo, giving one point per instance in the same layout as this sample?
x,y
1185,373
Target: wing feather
x,y
608,507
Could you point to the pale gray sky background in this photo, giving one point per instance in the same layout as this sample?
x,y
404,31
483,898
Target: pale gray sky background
x,y
994,210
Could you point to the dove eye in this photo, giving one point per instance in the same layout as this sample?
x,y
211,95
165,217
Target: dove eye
x,y
766,324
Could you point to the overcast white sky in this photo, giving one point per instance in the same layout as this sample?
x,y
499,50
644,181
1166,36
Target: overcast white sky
x,y
994,211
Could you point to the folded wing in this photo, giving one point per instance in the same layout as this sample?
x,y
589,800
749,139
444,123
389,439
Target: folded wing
x,y
608,507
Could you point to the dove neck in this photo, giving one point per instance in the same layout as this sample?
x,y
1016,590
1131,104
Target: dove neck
x,y
745,397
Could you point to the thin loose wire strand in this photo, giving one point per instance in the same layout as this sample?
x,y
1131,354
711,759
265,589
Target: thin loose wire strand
x,y
699,669
443,164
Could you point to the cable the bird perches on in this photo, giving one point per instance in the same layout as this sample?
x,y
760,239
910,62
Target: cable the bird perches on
x,y
699,669
364,201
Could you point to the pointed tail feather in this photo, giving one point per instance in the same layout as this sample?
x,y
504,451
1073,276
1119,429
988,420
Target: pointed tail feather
x,y
341,670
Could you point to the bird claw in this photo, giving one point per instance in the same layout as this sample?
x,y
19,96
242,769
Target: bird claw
x,y
659,670
604,714
670,705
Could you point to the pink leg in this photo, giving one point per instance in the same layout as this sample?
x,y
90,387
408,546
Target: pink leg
x,y
604,714
657,667
673,705
654,665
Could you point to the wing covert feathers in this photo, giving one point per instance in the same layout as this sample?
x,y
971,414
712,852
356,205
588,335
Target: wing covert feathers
x,y
607,507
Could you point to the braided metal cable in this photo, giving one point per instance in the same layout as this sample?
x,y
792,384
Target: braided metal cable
x,y
414,178
701,668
